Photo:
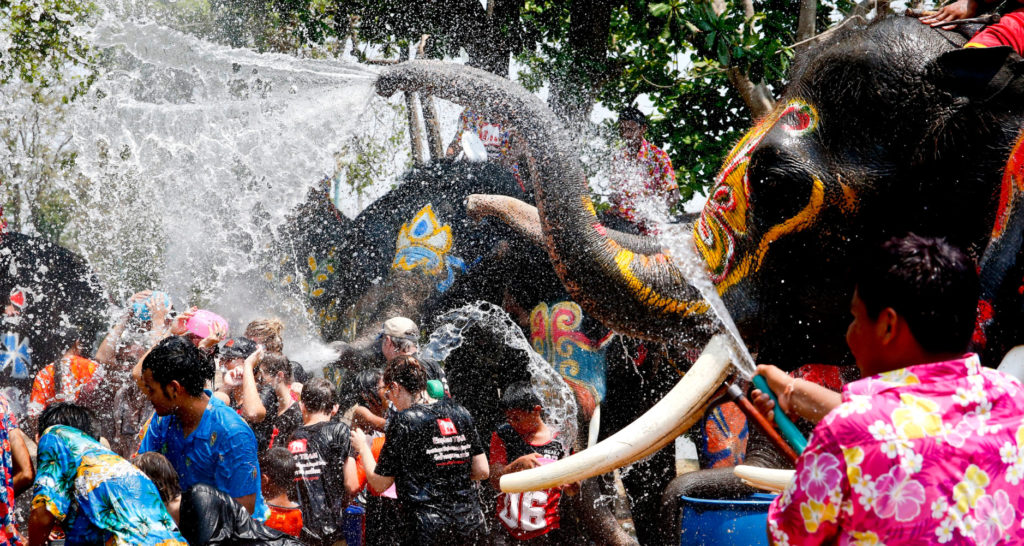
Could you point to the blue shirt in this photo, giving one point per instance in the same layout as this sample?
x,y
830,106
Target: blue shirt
x,y
220,452
99,497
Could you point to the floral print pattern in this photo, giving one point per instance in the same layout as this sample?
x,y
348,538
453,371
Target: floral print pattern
x,y
659,180
932,453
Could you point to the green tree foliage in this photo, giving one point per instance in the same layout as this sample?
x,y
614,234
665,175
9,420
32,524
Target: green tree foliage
x,y
40,47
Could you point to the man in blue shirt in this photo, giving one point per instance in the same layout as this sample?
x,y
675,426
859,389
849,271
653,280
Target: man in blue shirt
x,y
205,440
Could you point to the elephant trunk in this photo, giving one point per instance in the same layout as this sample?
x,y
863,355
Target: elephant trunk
x,y
627,282
670,417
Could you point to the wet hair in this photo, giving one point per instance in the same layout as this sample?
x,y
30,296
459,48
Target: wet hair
x,y
930,283
298,372
632,113
67,414
161,473
177,359
276,362
318,395
407,371
269,331
278,466
364,385
520,396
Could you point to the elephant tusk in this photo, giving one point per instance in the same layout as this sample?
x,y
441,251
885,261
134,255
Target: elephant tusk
x,y
769,479
670,417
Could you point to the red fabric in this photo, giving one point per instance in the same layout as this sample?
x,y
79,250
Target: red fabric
x,y
1008,31
497,455
286,520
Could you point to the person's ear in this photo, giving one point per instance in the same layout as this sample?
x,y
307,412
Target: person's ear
x,y
886,327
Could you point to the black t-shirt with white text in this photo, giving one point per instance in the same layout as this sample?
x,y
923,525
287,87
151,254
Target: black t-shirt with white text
x,y
429,451
320,451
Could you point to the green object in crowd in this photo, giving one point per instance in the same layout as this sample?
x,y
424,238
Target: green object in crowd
x,y
435,389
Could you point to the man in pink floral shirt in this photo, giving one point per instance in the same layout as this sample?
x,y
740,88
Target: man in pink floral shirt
x,y
929,446
649,176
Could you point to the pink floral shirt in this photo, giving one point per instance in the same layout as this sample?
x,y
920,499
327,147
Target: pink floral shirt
x,y
929,454
660,180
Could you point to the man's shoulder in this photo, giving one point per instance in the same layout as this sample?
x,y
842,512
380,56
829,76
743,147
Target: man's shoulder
x,y
225,421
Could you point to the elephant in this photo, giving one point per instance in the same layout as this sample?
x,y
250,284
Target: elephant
x,y
883,129
49,289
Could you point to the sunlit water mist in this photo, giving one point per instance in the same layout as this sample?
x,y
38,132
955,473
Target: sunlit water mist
x,y
559,400
194,153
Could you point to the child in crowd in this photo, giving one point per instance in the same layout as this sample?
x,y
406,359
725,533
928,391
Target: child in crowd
x,y
524,442
165,478
326,471
283,415
278,470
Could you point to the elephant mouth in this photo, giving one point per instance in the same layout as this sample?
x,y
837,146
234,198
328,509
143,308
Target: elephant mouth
x,y
669,418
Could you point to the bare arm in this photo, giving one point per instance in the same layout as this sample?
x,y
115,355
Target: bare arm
x,y
497,470
808,400
40,523
480,470
21,461
376,481
108,348
248,502
252,407
362,417
351,477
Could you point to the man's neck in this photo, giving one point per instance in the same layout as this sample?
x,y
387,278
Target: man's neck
x,y
190,412
913,358
315,418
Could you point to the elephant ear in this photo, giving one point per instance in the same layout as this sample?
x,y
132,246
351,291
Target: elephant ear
x,y
976,73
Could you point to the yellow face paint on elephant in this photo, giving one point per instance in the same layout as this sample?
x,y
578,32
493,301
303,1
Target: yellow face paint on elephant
x,y
723,225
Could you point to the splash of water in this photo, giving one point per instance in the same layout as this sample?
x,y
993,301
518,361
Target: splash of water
x,y
195,153
559,400
678,239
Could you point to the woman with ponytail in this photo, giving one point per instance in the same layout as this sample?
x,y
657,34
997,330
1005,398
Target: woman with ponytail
x,y
432,454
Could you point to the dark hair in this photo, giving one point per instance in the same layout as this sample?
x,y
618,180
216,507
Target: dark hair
x,y
278,466
407,371
632,113
365,386
927,281
161,473
318,395
67,414
520,396
177,359
276,362
298,372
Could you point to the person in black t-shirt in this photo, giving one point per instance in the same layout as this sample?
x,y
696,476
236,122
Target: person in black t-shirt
x,y
432,454
400,336
275,375
326,471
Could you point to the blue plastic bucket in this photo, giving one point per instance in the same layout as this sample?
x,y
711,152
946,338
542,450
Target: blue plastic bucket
x,y
723,521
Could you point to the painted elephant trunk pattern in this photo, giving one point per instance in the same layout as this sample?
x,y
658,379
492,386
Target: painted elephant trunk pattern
x,y
627,282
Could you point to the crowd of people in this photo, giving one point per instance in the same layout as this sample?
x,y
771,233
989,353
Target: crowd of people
x,y
201,438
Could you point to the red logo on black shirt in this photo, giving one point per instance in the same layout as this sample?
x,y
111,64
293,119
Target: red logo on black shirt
x,y
297,446
447,427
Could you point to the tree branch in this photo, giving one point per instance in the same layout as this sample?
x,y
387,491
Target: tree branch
x,y
755,96
805,21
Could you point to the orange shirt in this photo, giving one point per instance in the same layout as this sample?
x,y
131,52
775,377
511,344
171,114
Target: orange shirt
x,y
286,520
44,391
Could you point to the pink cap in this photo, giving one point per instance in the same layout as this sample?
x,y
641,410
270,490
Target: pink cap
x,y
201,322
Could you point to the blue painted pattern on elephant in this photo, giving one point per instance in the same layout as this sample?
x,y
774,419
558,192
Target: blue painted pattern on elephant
x,y
724,442
15,355
424,244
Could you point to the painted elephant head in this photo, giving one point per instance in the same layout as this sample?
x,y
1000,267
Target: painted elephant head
x,y
46,289
883,129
